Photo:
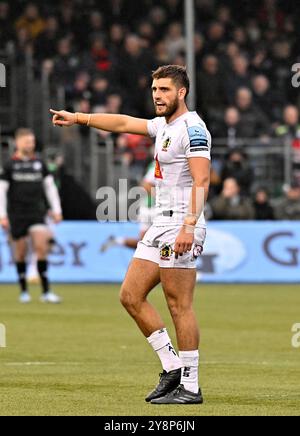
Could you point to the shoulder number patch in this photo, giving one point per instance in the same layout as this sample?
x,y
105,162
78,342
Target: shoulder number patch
x,y
198,139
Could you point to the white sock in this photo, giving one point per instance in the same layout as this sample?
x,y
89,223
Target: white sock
x,y
120,241
190,370
162,345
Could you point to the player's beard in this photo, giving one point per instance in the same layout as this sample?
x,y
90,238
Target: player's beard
x,y
169,110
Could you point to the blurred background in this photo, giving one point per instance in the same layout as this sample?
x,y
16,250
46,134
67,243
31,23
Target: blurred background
x,y
97,56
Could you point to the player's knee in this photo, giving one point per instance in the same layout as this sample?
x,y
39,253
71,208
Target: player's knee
x,y
41,251
178,308
129,301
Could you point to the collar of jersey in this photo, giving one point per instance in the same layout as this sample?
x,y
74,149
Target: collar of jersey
x,y
179,118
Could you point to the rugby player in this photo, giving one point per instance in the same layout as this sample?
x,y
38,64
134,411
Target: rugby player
x,y
25,185
170,248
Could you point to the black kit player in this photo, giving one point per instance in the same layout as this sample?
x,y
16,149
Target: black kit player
x,y
25,188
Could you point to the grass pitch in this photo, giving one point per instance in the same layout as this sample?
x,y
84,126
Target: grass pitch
x,y
86,357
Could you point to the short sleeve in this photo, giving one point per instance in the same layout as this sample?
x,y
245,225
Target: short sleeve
x,y
5,173
197,142
153,127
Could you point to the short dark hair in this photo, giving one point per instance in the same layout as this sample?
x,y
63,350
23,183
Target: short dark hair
x,y
23,132
177,73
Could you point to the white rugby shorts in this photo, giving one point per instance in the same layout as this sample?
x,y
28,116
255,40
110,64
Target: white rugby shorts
x,y
158,247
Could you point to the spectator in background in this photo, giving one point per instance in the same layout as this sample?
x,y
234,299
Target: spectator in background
x,y
114,104
161,54
158,18
290,128
239,77
211,93
96,25
80,89
175,40
68,22
23,45
253,122
263,209
230,129
134,67
6,33
265,98
66,63
116,40
215,37
237,167
231,205
289,131
46,42
31,21
100,55
289,207
100,87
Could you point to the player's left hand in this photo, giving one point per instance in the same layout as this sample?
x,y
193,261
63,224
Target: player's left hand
x,y
184,242
57,218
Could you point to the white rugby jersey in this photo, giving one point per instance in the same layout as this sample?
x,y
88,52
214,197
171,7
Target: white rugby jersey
x,y
176,143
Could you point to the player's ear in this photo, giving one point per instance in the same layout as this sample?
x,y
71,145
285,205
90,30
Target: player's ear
x,y
182,93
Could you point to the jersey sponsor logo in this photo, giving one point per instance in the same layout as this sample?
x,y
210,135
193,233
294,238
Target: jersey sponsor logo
x,y
166,253
198,137
158,172
37,166
19,177
166,144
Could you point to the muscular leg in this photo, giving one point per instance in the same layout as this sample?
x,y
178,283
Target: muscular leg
x,y
141,278
179,286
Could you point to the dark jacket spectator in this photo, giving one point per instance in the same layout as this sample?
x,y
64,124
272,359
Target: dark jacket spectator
x,y
231,205
265,98
237,167
253,121
263,209
230,129
46,43
239,76
211,93
6,33
289,207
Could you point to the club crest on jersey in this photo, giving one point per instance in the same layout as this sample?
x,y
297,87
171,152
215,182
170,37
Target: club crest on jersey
x,y
166,253
166,144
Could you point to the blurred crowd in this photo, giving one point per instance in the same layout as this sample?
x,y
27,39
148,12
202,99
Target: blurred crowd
x,y
102,54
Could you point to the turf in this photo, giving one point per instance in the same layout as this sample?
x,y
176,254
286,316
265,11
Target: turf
x,y
86,357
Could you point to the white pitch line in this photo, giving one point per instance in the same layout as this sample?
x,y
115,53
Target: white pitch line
x,y
40,363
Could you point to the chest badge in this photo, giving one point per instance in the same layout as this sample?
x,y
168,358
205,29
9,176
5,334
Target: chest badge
x,y
166,144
